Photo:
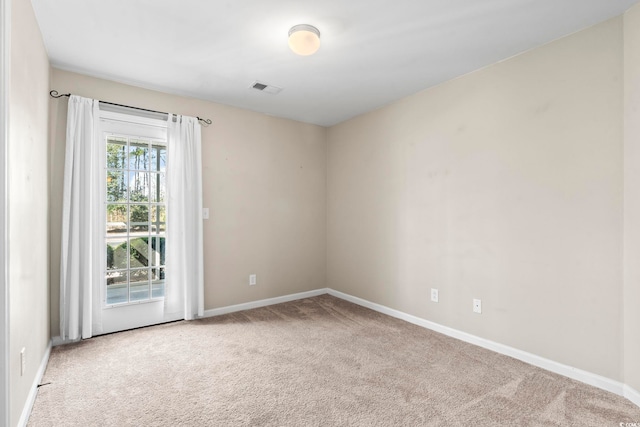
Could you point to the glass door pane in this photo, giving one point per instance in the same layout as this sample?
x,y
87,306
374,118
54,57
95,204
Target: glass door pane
x,y
136,220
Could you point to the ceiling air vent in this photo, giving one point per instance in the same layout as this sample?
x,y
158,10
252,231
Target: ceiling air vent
x,y
263,87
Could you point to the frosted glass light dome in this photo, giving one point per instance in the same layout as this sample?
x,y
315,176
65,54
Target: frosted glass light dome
x,y
304,39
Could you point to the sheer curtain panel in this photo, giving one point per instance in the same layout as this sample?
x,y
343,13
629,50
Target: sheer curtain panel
x,y
82,222
184,278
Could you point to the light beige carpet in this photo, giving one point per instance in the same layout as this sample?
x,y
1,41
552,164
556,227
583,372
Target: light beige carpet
x,y
315,362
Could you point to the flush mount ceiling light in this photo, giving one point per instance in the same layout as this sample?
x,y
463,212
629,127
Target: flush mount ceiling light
x,y
304,39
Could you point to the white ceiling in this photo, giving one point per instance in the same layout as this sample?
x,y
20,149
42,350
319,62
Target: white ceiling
x,y
373,52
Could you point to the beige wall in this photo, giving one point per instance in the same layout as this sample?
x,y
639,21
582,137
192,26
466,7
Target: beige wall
x,y
264,182
28,194
505,185
632,197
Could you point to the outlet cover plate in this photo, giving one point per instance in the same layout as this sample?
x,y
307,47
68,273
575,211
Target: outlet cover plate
x,y
477,306
434,295
252,279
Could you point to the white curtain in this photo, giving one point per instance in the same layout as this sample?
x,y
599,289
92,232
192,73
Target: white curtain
x,y
184,277
82,222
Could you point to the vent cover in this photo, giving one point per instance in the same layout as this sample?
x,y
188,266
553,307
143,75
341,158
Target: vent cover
x,y
266,88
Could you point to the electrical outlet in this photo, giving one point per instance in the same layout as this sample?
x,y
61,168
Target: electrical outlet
x,y
23,361
477,306
434,295
252,279
205,213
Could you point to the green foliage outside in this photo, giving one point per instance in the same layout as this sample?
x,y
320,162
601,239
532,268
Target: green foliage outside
x,y
135,157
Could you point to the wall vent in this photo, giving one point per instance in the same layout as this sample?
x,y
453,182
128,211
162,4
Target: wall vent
x,y
266,88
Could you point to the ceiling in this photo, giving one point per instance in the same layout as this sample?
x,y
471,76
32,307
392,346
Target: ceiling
x,y
372,52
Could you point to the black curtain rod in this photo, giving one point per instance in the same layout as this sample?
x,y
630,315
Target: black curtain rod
x,y
55,94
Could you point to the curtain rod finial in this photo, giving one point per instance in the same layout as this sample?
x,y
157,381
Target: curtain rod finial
x,y
206,122
54,94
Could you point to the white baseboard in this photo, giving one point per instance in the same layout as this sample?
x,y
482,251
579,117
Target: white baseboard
x,y
28,406
550,365
632,395
263,303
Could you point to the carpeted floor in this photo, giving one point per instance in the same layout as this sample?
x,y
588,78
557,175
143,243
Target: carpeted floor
x,y
319,361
